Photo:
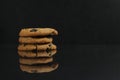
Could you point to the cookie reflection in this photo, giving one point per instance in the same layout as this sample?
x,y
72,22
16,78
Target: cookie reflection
x,y
31,61
44,68
37,62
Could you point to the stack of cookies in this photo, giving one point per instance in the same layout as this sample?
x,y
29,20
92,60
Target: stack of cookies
x,y
36,49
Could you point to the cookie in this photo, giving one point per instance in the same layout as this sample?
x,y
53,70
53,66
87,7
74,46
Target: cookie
x,y
49,46
38,32
39,69
32,54
26,47
35,40
31,61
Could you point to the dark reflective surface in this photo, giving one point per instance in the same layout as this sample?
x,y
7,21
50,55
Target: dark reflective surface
x,y
76,62
38,61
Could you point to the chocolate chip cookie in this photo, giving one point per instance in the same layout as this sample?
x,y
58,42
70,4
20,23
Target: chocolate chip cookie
x,y
39,69
35,40
31,61
49,46
33,54
37,32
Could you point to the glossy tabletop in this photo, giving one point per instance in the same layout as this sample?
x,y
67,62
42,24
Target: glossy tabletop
x,y
76,62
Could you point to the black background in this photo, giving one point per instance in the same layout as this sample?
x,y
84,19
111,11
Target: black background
x,y
79,21
82,24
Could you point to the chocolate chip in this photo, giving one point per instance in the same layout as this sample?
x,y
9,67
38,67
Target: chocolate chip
x,y
50,54
50,45
33,30
52,33
48,50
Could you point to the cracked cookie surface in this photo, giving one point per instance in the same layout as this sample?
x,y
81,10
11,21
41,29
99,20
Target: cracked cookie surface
x,y
35,40
49,46
32,54
38,32
31,61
